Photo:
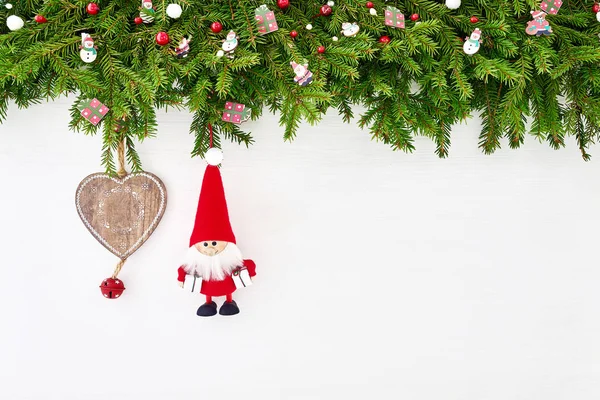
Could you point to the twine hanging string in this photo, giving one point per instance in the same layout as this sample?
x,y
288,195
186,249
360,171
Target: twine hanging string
x,y
121,173
210,132
118,268
121,158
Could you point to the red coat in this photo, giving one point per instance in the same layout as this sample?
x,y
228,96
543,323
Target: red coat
x,y
219,288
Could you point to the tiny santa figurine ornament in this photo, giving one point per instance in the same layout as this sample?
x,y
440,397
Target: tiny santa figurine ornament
x,y
303,75
214,264
183,49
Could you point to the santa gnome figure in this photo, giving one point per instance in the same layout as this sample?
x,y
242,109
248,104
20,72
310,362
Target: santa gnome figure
x,y
213,257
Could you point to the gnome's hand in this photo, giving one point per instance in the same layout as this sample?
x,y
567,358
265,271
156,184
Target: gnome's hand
x,y
180,284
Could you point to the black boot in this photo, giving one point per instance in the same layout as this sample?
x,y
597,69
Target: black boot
x,y
207,309
229,308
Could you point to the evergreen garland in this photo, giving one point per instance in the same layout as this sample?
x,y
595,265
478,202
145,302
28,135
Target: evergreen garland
x,y
420,83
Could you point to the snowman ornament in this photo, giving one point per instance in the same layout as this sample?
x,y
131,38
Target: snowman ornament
x,y
88,51
472,44
147,12
350,29
230,43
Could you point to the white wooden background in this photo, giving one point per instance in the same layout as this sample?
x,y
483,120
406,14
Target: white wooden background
x,y
381,275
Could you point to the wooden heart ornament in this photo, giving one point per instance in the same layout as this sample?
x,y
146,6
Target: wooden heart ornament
x,y
121,213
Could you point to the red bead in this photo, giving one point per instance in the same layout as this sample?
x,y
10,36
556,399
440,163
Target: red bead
x,y
162,38
596,8
283,4
40,19
474,19
321,49
370,4
138,20
384,39
216,27
326,10
93,8
294,34
112,288
414,17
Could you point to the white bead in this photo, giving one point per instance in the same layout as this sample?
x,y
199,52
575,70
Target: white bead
x,y
453,4
335,38
308,27
174,10
220,53
598,16
213,156
373,11
8,5
330,3
14,22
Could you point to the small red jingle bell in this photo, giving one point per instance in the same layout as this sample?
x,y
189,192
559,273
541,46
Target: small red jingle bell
x,y
112,288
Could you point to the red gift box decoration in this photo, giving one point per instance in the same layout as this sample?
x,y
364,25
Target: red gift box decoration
x,y
393,17
236,113
93,110
551,6
265,19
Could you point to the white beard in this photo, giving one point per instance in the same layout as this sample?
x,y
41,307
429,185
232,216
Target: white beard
x,y
216,267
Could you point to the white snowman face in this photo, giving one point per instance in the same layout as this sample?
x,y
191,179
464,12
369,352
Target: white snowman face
x,y
229,45
87,56
350,29
88,44
470,47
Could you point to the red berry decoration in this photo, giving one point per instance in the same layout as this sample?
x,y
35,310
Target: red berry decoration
x,y
326,10
294,34
384,39
283,4
138,20
162,38
321,49
474,19
370,4
596,8
216,27
112,288
414,17
93,8
40,19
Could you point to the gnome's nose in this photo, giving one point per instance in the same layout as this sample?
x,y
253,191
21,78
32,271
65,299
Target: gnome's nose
x,y
210,248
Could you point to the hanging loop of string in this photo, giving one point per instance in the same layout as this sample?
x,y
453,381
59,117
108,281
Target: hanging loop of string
x,y
121,158
210,132
118,268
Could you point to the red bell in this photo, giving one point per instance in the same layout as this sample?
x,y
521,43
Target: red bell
x,y
112,288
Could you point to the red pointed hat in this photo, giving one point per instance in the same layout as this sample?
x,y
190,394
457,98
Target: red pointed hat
x,y
212,218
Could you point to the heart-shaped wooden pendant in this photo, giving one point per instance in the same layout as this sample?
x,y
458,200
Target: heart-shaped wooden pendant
x,y
121,213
